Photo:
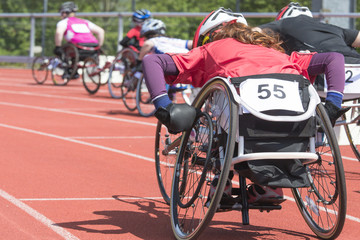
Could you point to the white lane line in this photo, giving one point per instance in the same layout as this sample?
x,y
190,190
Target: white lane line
x,y
77,141
38,216
350,158
355,219
112,101
114,137
76,113
89,199
114,150
343,157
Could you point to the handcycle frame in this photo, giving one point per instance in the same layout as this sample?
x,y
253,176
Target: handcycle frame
x,y
312,156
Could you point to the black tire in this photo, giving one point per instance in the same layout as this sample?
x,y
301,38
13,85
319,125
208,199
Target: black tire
x,y
166,150
190,207
128,88
353,130
143,100
119,68
323,204
40,69
57,74
91,76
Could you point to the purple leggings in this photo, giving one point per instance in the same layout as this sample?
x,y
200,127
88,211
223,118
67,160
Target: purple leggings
x,y
156,66
332,64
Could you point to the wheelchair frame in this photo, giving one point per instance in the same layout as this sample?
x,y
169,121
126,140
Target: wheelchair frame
x,y
350,120
190,207
70,62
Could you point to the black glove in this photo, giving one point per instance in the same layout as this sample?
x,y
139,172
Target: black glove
x,y
138,65
58,51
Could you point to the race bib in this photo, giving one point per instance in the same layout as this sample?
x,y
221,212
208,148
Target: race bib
x,y
264,94
352,79
80,28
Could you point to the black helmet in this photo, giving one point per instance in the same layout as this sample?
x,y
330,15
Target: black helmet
x,y
68,7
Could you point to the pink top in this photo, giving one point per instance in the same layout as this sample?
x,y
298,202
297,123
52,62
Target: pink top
x,y
78,30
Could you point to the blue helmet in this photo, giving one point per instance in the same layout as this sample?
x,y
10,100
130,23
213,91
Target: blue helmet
x,y
141,15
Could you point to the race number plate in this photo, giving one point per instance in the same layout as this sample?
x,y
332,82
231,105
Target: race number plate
x,y
271,94
80,28
352,79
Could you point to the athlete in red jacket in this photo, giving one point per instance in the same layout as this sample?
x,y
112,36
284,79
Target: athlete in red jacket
x,y
225,46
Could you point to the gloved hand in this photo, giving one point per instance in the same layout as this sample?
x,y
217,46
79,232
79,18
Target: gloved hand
x,y
138,67
58,51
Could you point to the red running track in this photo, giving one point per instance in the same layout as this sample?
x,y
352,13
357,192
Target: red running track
x,y
75,166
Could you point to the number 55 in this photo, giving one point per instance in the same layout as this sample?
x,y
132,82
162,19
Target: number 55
x,y
277,91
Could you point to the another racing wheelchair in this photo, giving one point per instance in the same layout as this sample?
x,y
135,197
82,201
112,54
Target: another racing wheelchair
x,y
71,60
350,120
270,129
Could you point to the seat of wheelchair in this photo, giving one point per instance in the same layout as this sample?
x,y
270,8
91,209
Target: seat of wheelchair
x,y
87,50
264,137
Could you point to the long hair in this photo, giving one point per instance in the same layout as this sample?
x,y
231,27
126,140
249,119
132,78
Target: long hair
x,y
245,34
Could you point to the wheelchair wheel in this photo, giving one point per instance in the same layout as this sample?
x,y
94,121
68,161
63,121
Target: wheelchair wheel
x,y
352,130
40,69
202,157
58,75
123,62
166,150
143,100
91,76
323,204
66,70
128,89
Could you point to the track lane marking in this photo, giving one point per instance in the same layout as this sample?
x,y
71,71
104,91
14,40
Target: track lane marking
x,y
114,150
114,137
76,113
87,99
38,216
77,141
89,199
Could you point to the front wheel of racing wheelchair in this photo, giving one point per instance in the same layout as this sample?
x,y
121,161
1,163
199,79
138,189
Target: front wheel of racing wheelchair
x,y
322,203
199,161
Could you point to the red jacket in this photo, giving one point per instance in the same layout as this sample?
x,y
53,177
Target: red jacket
x,y
135,33
229,57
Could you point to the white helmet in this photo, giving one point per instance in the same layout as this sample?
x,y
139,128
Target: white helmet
x,y
293,10
152,27
213,20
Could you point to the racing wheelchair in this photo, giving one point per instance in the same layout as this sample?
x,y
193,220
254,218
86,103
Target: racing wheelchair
x,y
351,120
247,126
72,59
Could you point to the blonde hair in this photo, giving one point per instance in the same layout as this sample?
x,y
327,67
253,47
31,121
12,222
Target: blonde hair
x,y
245,34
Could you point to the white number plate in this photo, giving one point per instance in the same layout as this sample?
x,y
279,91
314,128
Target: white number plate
x,y
269,94
80,28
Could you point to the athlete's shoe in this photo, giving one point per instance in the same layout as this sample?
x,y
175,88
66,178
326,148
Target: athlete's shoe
x,y
334,112
67,75
227,201
76,76
264,195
